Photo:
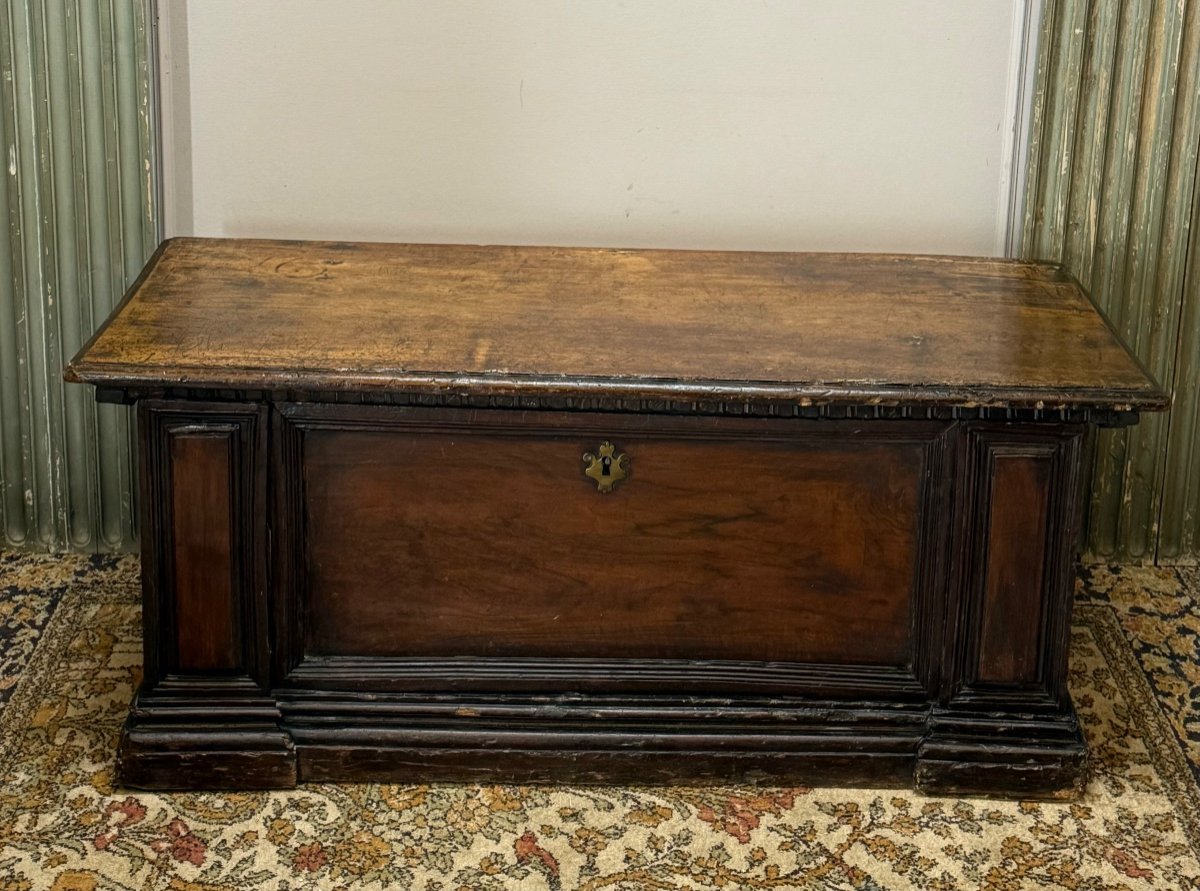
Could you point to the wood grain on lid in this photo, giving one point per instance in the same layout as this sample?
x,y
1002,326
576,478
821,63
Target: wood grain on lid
x,y
813,328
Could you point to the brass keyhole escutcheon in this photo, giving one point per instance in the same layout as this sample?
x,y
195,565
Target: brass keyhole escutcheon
x,y
606,467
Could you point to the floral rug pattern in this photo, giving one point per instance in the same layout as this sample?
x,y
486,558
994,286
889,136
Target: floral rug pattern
x,y
63,826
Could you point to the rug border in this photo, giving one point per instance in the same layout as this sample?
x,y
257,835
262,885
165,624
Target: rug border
x,y
1162,743
64,624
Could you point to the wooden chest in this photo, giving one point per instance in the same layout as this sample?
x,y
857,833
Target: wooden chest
x,y
417,512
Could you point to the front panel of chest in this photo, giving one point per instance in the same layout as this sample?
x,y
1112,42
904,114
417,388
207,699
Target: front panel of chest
x,y
546,541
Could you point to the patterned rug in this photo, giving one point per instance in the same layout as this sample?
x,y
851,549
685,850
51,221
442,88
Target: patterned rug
x,y
69,658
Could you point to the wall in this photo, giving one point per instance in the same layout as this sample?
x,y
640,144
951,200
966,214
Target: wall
x,y
678,123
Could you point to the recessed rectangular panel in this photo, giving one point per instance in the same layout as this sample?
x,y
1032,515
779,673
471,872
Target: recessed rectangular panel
x,y
1010,638
463,543
202,530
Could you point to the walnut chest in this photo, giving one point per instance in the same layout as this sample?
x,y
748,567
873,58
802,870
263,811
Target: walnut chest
x,y
530,514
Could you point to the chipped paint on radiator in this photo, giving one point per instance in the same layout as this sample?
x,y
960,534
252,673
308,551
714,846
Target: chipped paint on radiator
x,y
1110,192
76,126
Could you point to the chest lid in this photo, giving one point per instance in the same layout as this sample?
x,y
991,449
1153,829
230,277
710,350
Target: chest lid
x,y
812,329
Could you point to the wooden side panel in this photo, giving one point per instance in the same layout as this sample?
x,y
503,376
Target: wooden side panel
x,y
203,715
1006,718
202,531
1019,507
204,540
1010,635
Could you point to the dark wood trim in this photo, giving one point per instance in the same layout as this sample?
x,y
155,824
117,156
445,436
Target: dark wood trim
x,y
215,745
848,760
603,739
530,422
137,382
932,604
1018,753
551,676
766,408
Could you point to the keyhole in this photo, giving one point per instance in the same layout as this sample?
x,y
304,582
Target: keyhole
x,y
606,466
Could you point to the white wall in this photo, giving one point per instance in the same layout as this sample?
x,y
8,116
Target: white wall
x,y
806,125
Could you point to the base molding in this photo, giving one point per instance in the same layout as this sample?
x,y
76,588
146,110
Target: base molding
x,y
1039,758
248,759
180,742
333,763
331,737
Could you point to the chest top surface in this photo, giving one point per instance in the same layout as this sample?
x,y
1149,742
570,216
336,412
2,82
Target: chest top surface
x,y
813,328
